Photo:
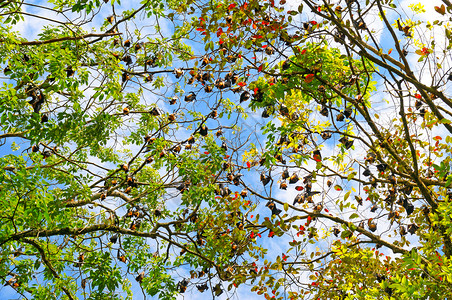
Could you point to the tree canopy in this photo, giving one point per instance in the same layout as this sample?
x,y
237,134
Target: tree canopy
x,y
241,149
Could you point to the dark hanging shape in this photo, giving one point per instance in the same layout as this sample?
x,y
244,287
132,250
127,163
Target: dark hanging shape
x,y
402,230
294,178
285,174
326,135
203,287
412,228
265,179
266,113
382,167
324,111
245,96
283,110
190,97
407,189
374,208
348,112
173,100
224,146
182,285
367,172
204,130
298,199
114,238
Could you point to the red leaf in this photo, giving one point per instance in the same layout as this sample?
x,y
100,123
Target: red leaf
x,y
309,78
241,83
417,96
260,68
313,22
248,164
256,90
257,36
206,152
219,31
303,52
231,6
200,29
299,188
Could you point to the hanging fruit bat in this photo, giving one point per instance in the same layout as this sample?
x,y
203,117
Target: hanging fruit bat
x,y
244,193
359,200
275,211
140,277
114,239
245,96
285,174
135,225
208,88
219,133
37,101
69,71
137,47
374,208
403,230
155,112
324,111
269,50
372,226
382,167
148,78
125,77
266,112
285,65
127,43
336,232
127,59
190,97
236,179
412,228
203,130
172,118
110,19
367,172
346,142
204,61
265,179
348,112
326,135
173,100
370,158
340,117
203,287
178,73
240,225
299,199
293,179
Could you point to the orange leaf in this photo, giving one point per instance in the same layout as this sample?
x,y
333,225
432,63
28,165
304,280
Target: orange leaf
x,y
231,6
390,50
309,78
440,9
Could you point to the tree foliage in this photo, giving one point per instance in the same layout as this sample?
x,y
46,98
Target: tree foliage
x,y
297,151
